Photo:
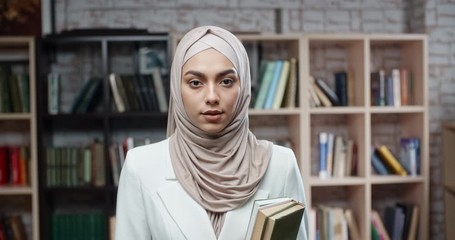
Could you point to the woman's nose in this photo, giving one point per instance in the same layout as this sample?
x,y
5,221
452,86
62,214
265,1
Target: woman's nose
x,y
212,96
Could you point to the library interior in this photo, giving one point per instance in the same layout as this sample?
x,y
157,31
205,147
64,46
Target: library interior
x,y
361,91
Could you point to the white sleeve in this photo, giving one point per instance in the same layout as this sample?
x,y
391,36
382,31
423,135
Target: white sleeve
x,y
131,222
294,188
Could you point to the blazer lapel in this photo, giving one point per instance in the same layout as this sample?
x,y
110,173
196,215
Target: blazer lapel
x,y
236,223
188,215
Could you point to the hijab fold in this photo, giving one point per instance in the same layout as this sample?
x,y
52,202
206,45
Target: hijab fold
x,y
220,171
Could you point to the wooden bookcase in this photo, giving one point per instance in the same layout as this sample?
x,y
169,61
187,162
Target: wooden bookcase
x,y
76,57
17,129
359,54
368,125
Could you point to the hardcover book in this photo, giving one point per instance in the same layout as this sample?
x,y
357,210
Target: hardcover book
x,y
277,218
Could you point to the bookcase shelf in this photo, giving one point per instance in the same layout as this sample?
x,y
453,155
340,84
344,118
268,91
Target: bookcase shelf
x,y
18,131
68,134
321,56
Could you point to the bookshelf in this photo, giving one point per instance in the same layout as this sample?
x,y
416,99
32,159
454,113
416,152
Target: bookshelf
x,y
366,124
18,129
74,186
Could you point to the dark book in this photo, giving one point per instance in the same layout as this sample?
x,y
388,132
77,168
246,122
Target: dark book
x,y
328,92
377,163
394,221
150,93
407,209
341,87
85,99
128,85
276,220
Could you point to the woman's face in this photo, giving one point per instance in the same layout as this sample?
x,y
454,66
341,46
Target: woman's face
x,y
210,89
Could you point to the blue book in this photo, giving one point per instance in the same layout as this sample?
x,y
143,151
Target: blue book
x,y
323,155
264,85
273,85
377,163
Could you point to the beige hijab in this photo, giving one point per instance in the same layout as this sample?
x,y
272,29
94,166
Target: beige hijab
x,y
221,172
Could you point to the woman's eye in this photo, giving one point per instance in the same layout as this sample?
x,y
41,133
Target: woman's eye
x,y
195,83
227,82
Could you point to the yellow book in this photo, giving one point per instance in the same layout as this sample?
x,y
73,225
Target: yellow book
x,y
391,161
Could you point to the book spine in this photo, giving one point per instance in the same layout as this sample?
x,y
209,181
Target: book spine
x,y
323,155
273,85
159,90
53,81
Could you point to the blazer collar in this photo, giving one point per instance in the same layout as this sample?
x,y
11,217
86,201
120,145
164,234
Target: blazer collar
x,y
193,221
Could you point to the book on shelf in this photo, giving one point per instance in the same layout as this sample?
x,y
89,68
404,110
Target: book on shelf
x,y
290,96
89,224
53,93
119,104
377,164
281,87
88,97
335,223
98,169
330,153
277,218
279,66
394,222
264,84
324,100
353,228
339,157
12,227
341,87
323,138
159,90
378,88
410,155
379,225
396,87
390,160
331,95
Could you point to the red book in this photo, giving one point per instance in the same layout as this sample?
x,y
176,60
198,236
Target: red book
x,y
15,165
3,165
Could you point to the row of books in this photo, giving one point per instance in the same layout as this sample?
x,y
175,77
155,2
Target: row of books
x,y
333,223
321,95
14,165
75,166
393,89
385,162
12,227
139,93
14,91
277,84
72,226
130,93
337,156
400,222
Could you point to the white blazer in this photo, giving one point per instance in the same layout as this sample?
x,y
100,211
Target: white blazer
x,y
151,204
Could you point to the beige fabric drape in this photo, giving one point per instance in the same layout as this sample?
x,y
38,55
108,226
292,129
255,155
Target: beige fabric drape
x,y
220,171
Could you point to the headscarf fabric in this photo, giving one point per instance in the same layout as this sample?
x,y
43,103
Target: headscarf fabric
x,y
219,171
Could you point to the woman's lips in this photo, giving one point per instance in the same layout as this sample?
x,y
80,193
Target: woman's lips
x,y
212,115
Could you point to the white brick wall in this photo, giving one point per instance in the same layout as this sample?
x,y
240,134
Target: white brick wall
x,y
435,17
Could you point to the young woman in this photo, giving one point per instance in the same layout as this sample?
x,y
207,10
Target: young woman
x,y
201,182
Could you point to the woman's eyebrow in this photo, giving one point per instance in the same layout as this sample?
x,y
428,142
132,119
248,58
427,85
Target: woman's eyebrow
x,y
200,74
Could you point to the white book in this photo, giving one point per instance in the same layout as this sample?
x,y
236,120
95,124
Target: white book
x,y
282,84
396,87
115,92
159,90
